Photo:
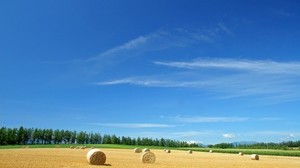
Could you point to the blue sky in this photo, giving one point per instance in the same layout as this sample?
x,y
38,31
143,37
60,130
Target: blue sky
x,y
199,71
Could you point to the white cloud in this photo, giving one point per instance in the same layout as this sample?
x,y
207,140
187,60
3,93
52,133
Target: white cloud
x,y
292,136
140,46
153,82
134,81
270,119
197,119
135,125
159,40
230,136
136,43
194,142
257,66
274,82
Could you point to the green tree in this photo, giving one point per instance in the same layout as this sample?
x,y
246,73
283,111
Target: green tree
x,y
114,139
42,135
73,137
56,136
138,141
11,137
106,139
48,136
21,136
81,137
67,136
162,142
35,136
28,135
98,138
3,136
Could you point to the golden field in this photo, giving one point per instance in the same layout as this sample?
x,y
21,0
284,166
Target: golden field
x,y
120,158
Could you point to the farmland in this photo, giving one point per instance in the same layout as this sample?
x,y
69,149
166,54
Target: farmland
x,y
274,152
295,153
75,158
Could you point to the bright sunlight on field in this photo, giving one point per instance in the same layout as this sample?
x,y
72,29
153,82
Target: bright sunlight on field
x,y
120,158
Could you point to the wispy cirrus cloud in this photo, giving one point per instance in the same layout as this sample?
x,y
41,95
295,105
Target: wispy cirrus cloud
x,y
227,78
133,125
269,119
256,66
199,119
153,82
138,43
134,81
122,56
159,40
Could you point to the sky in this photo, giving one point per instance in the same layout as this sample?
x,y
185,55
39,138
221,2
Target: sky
x,y
198,71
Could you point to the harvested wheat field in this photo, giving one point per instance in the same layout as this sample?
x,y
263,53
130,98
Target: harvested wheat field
x,y
120,158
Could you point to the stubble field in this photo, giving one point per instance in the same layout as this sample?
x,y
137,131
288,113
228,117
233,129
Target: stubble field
x,y
120,158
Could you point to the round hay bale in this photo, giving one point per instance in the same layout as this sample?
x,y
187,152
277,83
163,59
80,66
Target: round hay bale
x,y
71,147
165,149
92,147
96,157
148,157
77,147
137,150
241,153
168,151
82,147
254,157
146,150
190,151
210,151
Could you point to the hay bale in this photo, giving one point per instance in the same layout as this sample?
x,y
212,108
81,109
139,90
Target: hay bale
x,y
241,153
148,157
96,157
71,147
254,157
168,151
210,151
146,150
83,147
137,150
190,151
92,147
77,147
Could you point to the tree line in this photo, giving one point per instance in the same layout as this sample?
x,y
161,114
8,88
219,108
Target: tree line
x,y
25,136
262,145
